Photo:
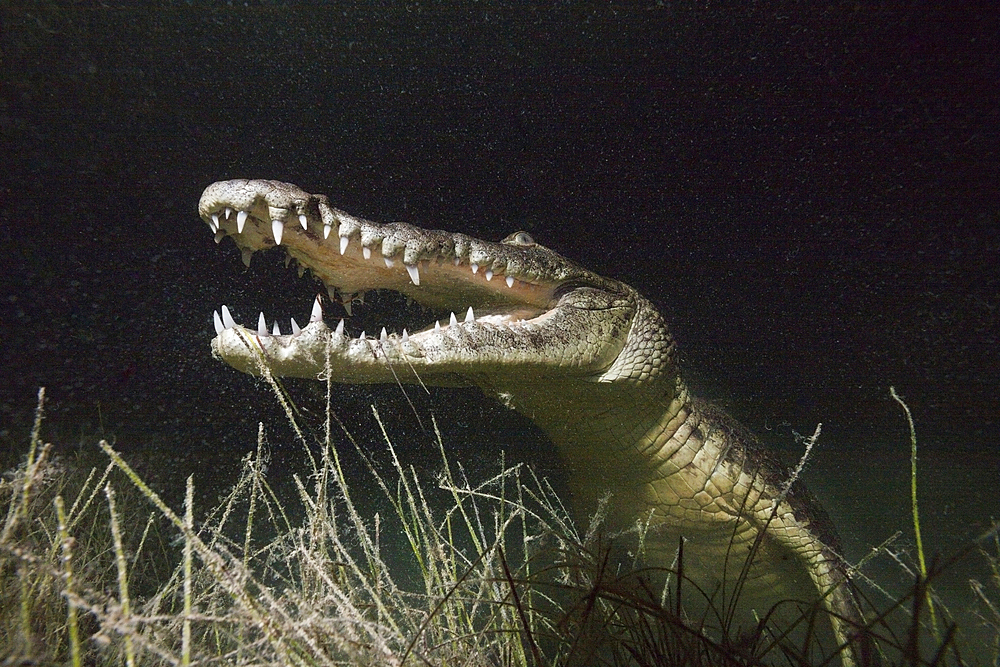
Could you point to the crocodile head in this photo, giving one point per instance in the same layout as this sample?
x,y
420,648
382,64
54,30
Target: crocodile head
x,y
512,313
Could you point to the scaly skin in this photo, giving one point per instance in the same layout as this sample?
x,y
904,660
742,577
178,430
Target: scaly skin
x,y
587,358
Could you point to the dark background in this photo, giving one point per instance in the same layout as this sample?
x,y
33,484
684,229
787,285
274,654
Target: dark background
x,y
809,191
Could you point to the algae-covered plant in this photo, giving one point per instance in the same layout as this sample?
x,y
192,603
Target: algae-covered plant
x,y
497,575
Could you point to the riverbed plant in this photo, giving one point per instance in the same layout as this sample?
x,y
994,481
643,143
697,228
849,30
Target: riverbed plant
x,y
487,572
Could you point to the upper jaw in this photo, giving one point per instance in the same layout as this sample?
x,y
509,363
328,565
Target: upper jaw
x,y
437,269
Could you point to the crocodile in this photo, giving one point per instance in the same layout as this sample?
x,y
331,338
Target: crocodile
x,y
587,358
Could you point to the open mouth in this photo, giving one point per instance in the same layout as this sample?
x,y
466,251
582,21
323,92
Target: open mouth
x,y
459,280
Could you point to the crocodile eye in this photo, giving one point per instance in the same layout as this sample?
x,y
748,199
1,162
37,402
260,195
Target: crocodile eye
x,y
520,238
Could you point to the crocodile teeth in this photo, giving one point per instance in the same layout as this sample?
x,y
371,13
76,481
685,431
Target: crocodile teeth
x,y
406,336
303,221
475,268
366,252
510,281
489,274
246,255
261,326
228,212
215,222
295,326
277,227
219,235
317,312
218,322
343,244
241,219
276,331
470,316
389,263
452,322
362,337
437,325
326,231
383,336
414,273
340,328
227,318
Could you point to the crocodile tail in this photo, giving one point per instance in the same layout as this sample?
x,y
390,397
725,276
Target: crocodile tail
x,y
849,626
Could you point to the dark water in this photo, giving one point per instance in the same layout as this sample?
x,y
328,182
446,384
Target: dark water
x,y
811,195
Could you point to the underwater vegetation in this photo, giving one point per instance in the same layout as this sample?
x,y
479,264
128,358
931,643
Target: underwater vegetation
x,y
96,568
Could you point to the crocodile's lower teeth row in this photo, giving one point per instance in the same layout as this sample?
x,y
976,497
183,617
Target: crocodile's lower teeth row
x,y
225,321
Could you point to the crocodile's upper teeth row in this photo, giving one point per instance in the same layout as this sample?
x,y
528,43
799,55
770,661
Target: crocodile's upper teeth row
x,y
278,230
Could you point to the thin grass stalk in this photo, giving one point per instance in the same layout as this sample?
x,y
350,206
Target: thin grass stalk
x,y
75,515
283,398
253,496
452,486
921,560
122,568
86,485
66,543
529,592
188,549
411,526
17,515
37,453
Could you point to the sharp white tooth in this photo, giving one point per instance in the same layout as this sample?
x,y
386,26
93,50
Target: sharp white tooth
x,y
414,273
277,228
389,262
276,331
219,235
218,322
228,212
215,222
246,255
470,316
295,326
261,326
362,336
227,319
453,321
510,281
326,231
317,312
437,325
383,336
340,328
303,221
241,219
489,274
366,252
343,244
406,336
475,268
